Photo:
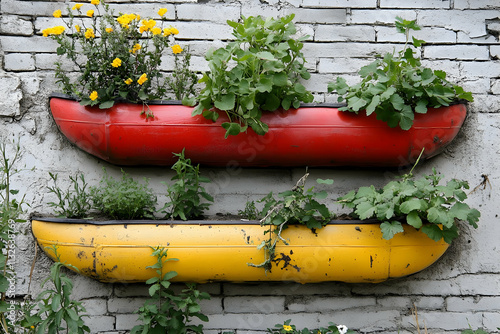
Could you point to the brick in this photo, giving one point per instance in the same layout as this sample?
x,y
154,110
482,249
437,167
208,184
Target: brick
x,y
27,44
422,303
341,65
10,95
46,61
100,323
340,3
491,321
264,304
449,321
333,33
471,22
415,4
19,62
319,82
89,288
495,87
346,50
126,321
324,304
495,51
477,86
125,305
145,10
95,306
480,69
286,289
383,16
429,35
330,16
463,38
475,4
15,25
203,30
459,52
35,8
253,8
216,13
472,304
452,68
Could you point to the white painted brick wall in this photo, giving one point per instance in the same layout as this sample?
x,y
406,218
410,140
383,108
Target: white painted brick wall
x,y
344,35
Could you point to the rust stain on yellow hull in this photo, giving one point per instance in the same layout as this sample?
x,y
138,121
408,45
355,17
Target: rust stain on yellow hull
x,y
352,253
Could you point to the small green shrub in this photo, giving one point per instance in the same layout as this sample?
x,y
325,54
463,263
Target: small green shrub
x,y
395,87
57,312
186,193
75,202
250,212
182,79
415,202
296,206
123,199
268,65
166,312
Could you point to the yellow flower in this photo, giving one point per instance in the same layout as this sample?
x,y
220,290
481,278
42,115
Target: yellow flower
x,y
174,31
162,11
57,13
93,96
156,31
128,81
176,49
108,30
53,31
287,328
89,33
135,48
117,62
90,13
142,79
147,25
166,32
94,2
77,28
77,6
125,19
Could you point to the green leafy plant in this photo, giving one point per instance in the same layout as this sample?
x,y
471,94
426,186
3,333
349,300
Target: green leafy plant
x,y
75,202
117,57
182,80
10,212
287,328
395,87
57,312
123,199
250,212
166,312
425,204
296,206
268,65
186,193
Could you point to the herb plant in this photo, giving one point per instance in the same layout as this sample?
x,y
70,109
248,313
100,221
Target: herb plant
x,y
75,202
10,212
117,57
395,87
296,206
259,71
424,204
186,193
250,212
166,312
287,328
57,312
182,80
123,199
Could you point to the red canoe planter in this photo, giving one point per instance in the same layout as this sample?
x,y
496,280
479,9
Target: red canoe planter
x,y
308,136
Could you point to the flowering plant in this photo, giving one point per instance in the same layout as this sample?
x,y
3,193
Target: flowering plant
x,y
118,57
287,328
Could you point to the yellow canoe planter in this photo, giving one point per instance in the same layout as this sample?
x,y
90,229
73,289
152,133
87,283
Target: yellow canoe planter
x,y
347,251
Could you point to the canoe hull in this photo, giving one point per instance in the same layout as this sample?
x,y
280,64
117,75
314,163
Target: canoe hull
x,y
215,251
309,136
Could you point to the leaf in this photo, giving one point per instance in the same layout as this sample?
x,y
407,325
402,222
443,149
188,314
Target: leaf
x,y
421,106
373,105
413,204
414,220
226,102
266,55
232,129
432,231
356,103
106,105
389,229
365,210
